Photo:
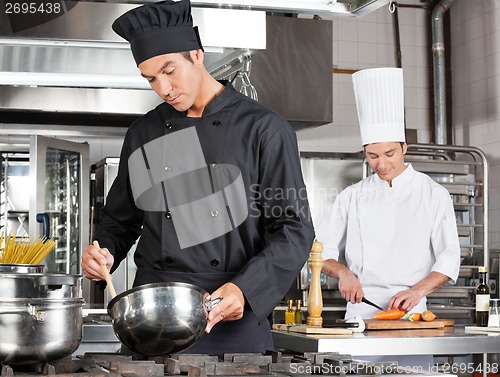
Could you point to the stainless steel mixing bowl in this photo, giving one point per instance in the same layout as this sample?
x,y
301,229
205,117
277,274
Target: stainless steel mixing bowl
x,y
160,318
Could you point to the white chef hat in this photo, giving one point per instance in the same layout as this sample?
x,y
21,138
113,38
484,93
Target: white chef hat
x,y
379,94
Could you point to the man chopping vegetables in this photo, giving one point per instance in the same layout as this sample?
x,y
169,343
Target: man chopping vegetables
x,y
391,237
211,182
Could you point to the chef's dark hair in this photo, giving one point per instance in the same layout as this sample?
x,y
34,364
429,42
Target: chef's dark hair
x,y
187,55
400,143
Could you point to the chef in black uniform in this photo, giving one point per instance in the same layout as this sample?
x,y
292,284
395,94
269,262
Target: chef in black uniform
x,y
210,181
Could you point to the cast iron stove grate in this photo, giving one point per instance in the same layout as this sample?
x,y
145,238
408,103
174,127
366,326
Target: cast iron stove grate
x,y
271,364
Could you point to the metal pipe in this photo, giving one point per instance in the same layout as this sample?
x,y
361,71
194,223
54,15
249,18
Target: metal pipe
x,y
397,39
438,59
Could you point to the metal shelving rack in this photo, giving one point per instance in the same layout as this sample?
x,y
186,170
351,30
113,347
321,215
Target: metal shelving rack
x,y
14,206
463,171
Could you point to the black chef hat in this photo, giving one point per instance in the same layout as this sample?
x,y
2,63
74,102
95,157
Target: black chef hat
x,y
158,28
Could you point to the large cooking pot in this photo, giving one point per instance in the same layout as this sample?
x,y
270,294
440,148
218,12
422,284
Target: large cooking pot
x,y
22,268
160,318
40,317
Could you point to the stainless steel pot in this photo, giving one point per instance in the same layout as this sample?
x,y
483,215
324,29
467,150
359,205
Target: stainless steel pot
x,y
35,331
40,317
36,285
22,268
160,318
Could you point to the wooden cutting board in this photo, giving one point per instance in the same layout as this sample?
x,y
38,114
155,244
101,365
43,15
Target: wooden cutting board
x,y
403,324
304,329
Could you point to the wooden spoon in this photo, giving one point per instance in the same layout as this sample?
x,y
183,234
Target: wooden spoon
x,y
107,276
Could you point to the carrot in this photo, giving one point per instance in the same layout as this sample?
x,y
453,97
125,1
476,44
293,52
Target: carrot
x,y
389,314
413,316
428,316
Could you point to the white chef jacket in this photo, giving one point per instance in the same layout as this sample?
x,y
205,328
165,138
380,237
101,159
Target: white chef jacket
x,y
392,237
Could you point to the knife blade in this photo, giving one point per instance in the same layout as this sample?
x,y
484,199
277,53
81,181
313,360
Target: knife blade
x,y
342,324
366,301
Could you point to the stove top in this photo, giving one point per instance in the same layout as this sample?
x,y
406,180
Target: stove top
x,y
272,364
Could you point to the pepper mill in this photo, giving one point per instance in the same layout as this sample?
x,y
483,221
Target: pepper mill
x,y
315,299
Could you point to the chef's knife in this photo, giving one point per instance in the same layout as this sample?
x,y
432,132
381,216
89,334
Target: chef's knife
x,y
366,301
342,324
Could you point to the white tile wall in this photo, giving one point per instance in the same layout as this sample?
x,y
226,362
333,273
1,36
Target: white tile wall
x,y
368,42
475,44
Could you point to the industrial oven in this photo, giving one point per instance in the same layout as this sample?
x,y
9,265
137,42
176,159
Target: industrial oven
x,y
43,192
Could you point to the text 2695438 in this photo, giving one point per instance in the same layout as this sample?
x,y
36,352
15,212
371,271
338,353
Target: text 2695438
x,y
33,8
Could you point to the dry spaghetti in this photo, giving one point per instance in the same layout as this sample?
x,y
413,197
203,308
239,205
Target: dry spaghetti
x,y
25,251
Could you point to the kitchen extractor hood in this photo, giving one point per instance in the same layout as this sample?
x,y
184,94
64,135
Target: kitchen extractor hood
x,y
80,41
294,74
75,64
317,7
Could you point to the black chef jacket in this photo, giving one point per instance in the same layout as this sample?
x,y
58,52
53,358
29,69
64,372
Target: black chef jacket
x,y
264,253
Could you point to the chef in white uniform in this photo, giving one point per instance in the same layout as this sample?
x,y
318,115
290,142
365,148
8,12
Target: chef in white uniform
x,y
391,237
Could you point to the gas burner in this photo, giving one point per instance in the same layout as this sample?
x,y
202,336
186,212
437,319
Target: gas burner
x,y
66,367
91,365
271,364
232,365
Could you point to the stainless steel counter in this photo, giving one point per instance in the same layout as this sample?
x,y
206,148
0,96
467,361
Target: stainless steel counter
x,y
451,341
97,333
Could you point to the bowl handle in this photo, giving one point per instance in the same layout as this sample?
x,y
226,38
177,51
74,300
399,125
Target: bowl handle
x,y
210,304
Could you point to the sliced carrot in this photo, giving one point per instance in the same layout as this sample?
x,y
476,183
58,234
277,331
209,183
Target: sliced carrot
x,y
389,314
428,316
413,316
